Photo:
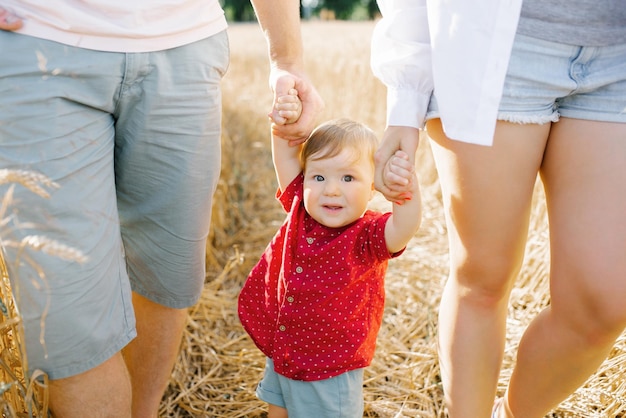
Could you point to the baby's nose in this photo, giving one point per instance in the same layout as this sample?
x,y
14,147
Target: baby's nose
x,y
331,188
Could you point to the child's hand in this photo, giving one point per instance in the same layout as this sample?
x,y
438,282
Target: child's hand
x,y
388,179
281,81
287,108
399,175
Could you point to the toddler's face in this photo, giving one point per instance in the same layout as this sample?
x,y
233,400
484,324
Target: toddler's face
x,y
337,189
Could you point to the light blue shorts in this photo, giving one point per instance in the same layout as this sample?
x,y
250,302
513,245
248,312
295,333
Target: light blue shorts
x,y
338,397
133,141
546,80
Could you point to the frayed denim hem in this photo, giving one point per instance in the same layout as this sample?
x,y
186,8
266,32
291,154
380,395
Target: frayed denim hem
x,y
516,117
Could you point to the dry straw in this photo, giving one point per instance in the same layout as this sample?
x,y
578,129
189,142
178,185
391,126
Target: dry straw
x,y
23,395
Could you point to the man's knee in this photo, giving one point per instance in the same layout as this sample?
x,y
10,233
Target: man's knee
x,y
101,392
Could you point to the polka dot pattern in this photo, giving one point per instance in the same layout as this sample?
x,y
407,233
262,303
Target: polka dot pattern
x,y
314,301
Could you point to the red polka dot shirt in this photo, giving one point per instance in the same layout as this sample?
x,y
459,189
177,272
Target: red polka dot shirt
x,y
314,301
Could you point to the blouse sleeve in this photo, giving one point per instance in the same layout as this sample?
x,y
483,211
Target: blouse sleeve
x,y
401,59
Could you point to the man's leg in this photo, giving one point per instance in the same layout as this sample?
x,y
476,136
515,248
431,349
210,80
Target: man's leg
x,y
168,152
151,356
76,311
102,392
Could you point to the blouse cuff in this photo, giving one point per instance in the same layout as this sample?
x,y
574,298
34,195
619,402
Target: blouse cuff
x,y
406,107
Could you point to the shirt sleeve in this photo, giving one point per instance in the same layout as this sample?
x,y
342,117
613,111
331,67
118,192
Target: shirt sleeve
x,y
294,190
401,59
372,236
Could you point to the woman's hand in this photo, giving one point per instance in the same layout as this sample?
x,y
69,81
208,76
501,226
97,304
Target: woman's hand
x,y
394,186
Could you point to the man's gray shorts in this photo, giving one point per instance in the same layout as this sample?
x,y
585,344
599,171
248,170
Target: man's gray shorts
x,y
133,141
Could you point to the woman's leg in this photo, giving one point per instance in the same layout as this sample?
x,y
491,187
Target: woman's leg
x,y
487,194
584,173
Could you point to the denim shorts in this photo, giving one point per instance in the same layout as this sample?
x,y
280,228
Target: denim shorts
x,y
338,397
133,142
546,80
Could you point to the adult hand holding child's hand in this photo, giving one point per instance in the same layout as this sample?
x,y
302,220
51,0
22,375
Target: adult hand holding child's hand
x,y
298,131
394,185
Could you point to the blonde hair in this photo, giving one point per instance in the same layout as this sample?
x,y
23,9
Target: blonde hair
x,y
331,138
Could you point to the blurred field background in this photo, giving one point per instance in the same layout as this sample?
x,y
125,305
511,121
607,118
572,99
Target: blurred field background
x,y
219,367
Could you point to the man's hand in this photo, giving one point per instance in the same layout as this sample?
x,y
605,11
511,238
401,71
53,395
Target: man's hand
x,y
282,82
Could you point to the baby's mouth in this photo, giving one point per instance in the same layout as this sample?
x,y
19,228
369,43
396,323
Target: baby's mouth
x,y
332,207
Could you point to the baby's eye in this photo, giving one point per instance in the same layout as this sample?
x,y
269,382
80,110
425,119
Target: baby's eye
x,y
348,178
318,177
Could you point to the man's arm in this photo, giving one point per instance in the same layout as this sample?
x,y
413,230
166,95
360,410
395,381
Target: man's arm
x,y
280,22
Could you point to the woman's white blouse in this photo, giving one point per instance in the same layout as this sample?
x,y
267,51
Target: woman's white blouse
x,y
459,49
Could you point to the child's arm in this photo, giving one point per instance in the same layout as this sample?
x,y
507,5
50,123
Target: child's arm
x,y
407,214
286,157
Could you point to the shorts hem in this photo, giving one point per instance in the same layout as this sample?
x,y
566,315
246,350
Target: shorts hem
x,y
270,397
526,119
180,303
75,369
594,117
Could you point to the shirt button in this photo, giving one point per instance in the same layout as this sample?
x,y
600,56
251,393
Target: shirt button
x,y
290,299
310,240
299,269
282,327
